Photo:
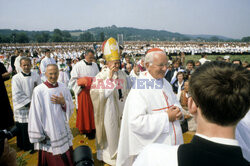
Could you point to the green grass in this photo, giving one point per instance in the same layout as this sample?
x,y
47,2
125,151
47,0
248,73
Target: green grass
x,y
213,57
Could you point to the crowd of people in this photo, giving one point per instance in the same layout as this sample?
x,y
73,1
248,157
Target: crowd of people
x,y
135,100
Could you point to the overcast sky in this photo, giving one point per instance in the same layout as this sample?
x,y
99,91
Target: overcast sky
x,y
230,18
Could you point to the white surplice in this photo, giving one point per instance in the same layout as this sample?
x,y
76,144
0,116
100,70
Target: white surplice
x,y
79,70
242,135
108,110
145,120
22,88
48,121
63,74
17,64
45,61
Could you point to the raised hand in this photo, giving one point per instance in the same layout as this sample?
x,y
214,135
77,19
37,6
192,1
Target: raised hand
x,y
58,99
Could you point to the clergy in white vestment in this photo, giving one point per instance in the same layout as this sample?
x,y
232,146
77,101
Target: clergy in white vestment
x,y
45,61
23,84
63,75
50,111
203,59
218,103
242,135
17,61
152,111
81,79
108,92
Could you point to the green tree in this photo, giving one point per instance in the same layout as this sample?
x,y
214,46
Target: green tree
x,y
57,36
215,38
102,36
246,39
86,37
22,38
45,36
66,36
13,37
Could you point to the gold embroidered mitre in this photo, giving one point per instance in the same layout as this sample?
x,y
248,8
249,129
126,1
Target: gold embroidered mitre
x,y
111,50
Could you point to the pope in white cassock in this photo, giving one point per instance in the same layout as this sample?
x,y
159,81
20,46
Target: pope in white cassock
x,y
108,93
151,113
45,61
50,111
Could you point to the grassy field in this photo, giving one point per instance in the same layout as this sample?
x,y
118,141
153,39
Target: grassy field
x,y
213,57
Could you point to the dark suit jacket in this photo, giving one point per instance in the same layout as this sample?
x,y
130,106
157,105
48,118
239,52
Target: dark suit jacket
x,y
202,152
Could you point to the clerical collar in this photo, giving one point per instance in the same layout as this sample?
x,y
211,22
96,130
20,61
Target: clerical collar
x,y
50,85
225,141
87,63
25,74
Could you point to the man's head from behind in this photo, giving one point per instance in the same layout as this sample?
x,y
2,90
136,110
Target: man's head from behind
x,y
221,91
52,73
156,63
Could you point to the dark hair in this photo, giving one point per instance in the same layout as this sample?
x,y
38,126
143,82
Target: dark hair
x,y
176,60
180,72
82,56
46,50
198,62
203,55
190,61
235,60
89,51
219,58
25,59
20,51
222,92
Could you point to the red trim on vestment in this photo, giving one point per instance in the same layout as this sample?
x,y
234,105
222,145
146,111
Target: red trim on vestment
x,y
166,98
49,85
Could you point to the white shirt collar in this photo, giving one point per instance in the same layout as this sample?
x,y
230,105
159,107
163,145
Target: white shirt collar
x,y
225,141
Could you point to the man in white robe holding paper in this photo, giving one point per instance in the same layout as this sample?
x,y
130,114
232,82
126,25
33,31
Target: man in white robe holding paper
x,y
23,84
152,111
50,111
108,92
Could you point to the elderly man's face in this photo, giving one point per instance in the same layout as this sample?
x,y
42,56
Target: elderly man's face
x,y
159,66
52,74
114,65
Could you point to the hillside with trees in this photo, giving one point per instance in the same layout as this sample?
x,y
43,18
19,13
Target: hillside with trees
x,y
99,34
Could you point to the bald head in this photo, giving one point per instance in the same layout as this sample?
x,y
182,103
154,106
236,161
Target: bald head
x,y
52,73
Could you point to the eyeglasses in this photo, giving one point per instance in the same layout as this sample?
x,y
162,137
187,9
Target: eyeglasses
x,y
161,65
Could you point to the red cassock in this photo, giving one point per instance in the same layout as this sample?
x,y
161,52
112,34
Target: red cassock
x,y
85,114
48,159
